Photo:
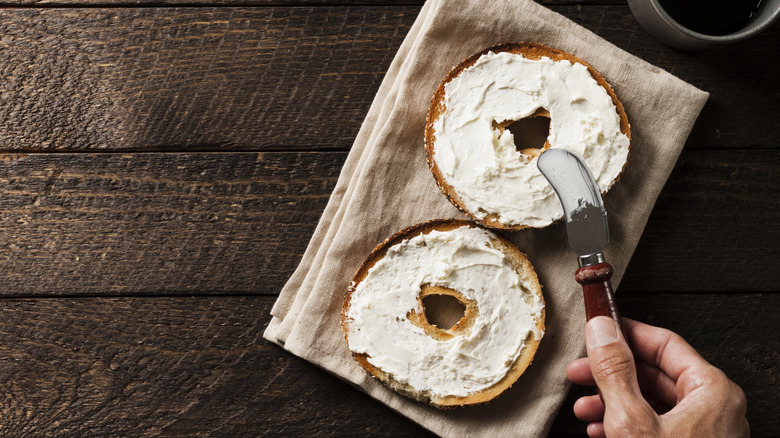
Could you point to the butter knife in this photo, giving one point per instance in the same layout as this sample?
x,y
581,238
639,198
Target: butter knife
x,y
586,228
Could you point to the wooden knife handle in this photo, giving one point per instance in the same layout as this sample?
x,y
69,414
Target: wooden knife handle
x,y
597,290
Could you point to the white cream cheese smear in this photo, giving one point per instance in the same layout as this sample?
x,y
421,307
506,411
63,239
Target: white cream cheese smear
x,y
465,260
483,165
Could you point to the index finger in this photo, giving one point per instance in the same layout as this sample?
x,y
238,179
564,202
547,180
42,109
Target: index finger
x,y
663,348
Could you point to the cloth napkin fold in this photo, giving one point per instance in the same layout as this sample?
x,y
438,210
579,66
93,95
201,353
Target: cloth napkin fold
x,y
385,185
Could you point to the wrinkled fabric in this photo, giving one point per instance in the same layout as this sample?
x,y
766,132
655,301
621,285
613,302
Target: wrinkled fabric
x,y
385,185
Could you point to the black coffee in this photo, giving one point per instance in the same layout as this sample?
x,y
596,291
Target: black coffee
x,y
712,17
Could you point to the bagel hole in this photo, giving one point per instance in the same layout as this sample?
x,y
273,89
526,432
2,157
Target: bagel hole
x,y
443,311
530,133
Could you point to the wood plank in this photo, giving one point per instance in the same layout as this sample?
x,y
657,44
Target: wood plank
x,y
189,223
715,223
227,3
165,367
186,366
283,77
192,78
158,223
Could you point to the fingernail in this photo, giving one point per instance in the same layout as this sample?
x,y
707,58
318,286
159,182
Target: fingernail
x,y
601,331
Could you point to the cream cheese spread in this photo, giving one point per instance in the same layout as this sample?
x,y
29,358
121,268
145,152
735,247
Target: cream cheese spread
x,y
466,260
482,164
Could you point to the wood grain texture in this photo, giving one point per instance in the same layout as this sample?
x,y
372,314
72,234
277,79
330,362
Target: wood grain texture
x,y
197,366
158,223
165,367
190,223
714,226
284,77
192,78
227,3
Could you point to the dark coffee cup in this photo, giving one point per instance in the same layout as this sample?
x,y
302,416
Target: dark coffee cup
x,y
697,25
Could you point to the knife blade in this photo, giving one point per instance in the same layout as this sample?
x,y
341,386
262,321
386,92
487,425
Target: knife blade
x,y
586,227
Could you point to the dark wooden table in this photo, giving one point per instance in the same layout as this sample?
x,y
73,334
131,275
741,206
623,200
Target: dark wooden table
x,y
166,161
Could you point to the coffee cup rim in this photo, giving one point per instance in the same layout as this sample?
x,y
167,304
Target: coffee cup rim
x,y
739,35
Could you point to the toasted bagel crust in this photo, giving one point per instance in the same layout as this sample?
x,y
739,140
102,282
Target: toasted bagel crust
x,y
528,50
520,263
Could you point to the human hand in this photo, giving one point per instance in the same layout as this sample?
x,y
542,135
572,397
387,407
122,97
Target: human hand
x,y
664,389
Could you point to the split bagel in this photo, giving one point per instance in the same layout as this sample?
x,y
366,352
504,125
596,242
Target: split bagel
x,y
483,354
471,151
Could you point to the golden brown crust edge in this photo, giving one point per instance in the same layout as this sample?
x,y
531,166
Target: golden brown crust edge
x,y
531,51
522,266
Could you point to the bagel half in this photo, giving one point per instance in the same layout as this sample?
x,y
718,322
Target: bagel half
x,y
519,264
438,109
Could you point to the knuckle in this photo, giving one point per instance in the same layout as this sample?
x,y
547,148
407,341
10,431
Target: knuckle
x,y
727,399
717,375
669,337
712,378
613,366
741,400
721,384
675,337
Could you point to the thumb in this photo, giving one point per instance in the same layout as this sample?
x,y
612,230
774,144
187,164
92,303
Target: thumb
x,y
612,365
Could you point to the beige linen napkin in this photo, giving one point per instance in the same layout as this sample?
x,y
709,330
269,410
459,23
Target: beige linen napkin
x,y
385,186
